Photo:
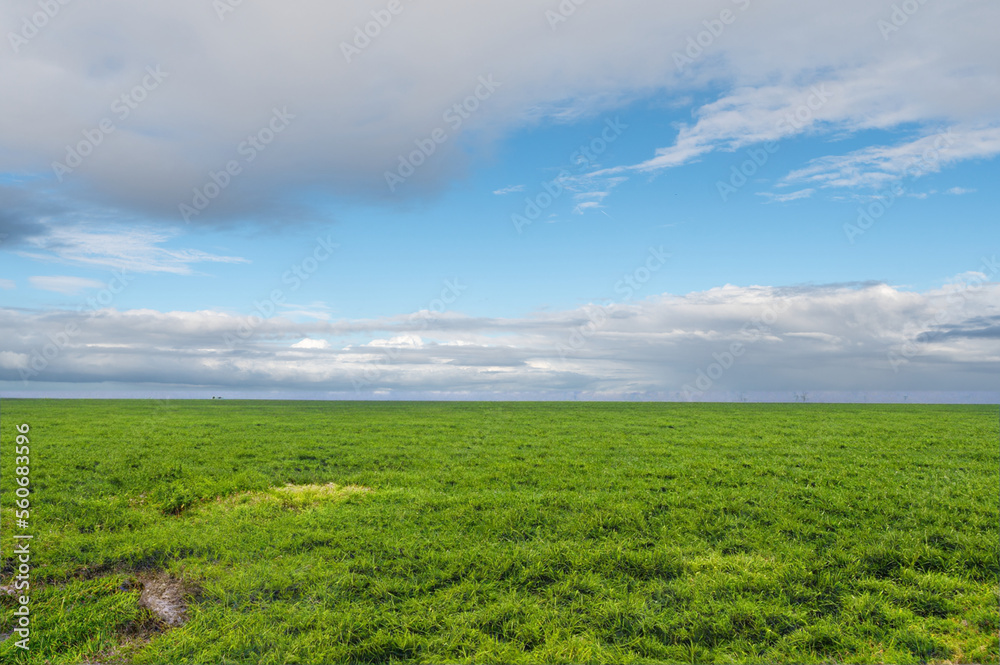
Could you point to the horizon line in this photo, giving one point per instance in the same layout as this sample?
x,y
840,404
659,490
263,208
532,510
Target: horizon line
x,y
750,397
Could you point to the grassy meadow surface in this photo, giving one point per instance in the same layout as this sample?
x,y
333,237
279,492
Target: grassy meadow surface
x,y
508,532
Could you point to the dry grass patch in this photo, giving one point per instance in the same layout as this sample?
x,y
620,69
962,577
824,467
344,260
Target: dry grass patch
x,y
330,490
296,497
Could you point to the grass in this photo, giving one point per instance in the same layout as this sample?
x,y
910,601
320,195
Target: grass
x,y
509,532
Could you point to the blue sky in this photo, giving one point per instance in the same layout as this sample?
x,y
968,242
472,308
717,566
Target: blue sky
x,y
468,275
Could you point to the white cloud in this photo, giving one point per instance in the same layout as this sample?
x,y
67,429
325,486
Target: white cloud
x,y
7,284
887,90
10,360
317,311
878,166
312,344
64,284
590,190
509,190
587,205
959,191
400,341
745,117
137,250
791,196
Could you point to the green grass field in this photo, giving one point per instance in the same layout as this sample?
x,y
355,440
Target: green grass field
x,y
508,532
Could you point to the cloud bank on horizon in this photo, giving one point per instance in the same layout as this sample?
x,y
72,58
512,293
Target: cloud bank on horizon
x,y
830,338
139,131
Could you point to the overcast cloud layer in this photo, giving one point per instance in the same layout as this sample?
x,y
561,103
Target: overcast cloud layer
x,y
222,75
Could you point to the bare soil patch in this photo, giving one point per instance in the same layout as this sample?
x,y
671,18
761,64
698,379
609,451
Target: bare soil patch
x,y
165,597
